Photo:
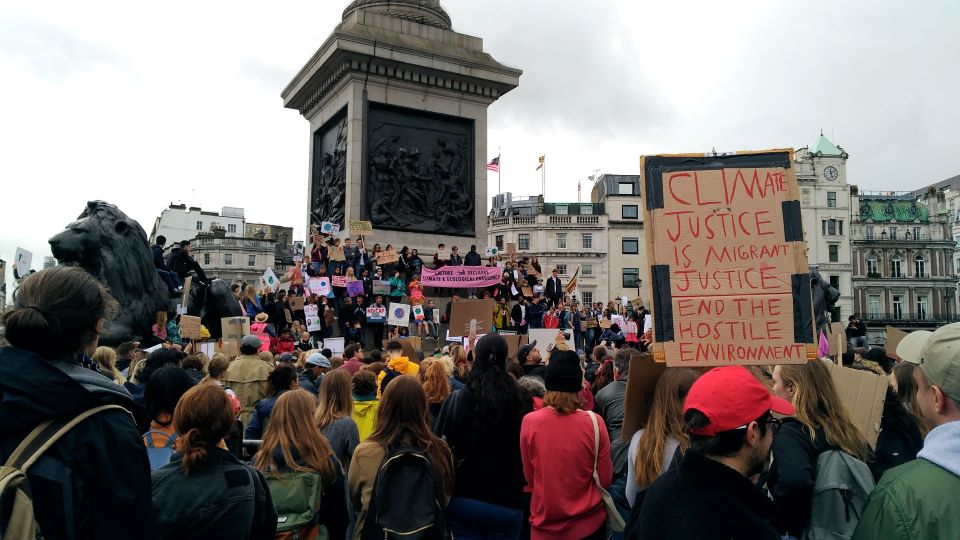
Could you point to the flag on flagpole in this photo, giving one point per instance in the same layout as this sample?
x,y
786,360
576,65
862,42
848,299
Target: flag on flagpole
x,y
540,166
572,284
494,165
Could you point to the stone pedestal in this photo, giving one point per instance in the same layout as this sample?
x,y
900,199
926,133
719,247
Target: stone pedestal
x,y
397,104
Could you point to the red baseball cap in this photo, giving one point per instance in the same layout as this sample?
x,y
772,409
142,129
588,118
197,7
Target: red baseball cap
x,y
731,397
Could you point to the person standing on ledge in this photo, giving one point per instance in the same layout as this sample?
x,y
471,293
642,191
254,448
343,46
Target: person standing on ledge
x,y
554,289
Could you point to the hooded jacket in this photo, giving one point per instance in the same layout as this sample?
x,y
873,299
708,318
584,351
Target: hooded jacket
x,y
247,376
101,463
365,414
918,500
401,365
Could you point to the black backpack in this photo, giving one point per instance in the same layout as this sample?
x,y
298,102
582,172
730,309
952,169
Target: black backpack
x,y
389,375
407,499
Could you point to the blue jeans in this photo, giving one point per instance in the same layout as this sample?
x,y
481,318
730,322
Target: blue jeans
x,y
170,278
618,491
471,519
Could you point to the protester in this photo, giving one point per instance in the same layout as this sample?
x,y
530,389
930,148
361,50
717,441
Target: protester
x,y
535,387
161,395
557,447
609,404
481,423
353,356
662,439
181,263
193,365
56,320
334,414
918,499
247,376
206,492
401,422
902,427
821,423
437,386
316,367
711,495
292,444
170,278
280,380
365,403
106,358
397,365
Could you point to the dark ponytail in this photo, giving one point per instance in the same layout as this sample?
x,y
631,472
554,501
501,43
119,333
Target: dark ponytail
x,y
55,312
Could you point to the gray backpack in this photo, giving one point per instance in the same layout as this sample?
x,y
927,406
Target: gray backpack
x,y
840,493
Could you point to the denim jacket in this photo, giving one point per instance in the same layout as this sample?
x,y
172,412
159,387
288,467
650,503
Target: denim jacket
x,y
220,498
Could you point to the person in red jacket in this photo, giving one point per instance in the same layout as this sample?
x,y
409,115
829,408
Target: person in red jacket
x,y
557,448
285,343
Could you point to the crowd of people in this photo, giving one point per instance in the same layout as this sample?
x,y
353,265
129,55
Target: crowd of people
x,y
288,440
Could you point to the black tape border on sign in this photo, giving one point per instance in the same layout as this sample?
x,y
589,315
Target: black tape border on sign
x,y
655,166
662,303
792,222
802,308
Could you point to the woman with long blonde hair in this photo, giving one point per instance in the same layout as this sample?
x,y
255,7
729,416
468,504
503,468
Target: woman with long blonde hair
x,y
821,422
652,448
292,443
107,359
334,414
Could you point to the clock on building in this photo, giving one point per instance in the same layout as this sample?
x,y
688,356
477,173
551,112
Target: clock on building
x,y
830,173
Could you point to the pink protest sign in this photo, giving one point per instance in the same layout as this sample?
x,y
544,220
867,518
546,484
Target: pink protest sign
x,y
339,281
460,276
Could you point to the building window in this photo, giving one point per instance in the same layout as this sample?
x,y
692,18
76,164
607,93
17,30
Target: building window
x,y
560,209
869,232
586,209
586,269
587,241
561,240
631,277
920,266
562,269
625,188
873,306
586,297
231,228
199,225
831,199
835,282
918,233
206,259
895,266
227,259
921,306
833,252
897,306
523,241
873,266
499,242
631,246
893,233
251,260
632,211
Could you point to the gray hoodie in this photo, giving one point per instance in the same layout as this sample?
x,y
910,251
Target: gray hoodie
x,y
942,447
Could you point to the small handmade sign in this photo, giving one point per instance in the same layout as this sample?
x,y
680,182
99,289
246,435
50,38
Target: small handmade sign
x,y
319,286
335,253
376,314
190,326
329,228
399,314
339,281
270,279
355,287
418,313
313,320
381,286
361,228
387,257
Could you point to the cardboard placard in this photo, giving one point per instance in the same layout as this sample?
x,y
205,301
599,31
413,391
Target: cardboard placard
x,y
837,338
605,323
296,303
513,344
644,374
728,263
527,292
227,348
329,228
893,338
338,281
410,347
381,287
233,329
418,313
376,314
443,254
22,260
355,287
436,316
387,257
319,286
335,253
491,251
185,301
862,393
190,326
362,228
511,248
288,316
270,279
464,311
335,344
398,314
312,315
543,337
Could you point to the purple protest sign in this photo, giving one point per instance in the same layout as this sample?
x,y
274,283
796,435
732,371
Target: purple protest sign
x,y
355,288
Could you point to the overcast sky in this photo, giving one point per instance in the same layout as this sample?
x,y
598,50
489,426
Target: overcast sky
x,y
145,104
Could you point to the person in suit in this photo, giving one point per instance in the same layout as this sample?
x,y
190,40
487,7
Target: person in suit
x,y
554,289
518,316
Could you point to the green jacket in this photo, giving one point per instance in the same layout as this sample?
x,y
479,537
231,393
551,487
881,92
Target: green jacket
x,y
915,501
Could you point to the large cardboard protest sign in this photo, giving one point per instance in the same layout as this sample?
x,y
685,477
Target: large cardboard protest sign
x,y
311,315
233,329
644,374
387,257
296,303
837,338
398,314
360,227
728,265
335,253
464,311
319,286
862,393
893,338
190,327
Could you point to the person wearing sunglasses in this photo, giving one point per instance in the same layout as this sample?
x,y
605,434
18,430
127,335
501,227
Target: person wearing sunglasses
x,y
712,493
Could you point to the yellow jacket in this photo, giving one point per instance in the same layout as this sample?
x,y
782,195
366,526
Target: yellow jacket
x,y
365,415
400,364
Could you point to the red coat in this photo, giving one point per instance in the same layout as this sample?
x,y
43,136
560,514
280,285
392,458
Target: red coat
x,y
285,345
551,321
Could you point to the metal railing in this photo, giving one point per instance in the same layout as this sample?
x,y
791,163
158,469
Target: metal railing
x,y
910,318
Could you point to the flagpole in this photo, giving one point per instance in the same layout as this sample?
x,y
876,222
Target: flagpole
x,y
499,164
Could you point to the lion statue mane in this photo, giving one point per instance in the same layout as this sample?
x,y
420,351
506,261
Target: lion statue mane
x,y
114,249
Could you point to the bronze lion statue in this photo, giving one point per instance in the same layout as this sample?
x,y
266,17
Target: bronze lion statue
x,y
114,249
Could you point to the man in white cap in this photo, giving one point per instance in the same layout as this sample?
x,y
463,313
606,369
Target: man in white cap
x,y
919,499
911,346
317,366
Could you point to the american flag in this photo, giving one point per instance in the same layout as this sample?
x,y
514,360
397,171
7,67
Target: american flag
x,y
494,165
